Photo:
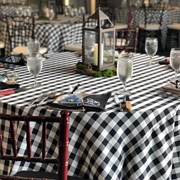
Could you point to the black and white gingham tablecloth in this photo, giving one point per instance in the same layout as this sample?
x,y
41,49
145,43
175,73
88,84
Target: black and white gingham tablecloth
x,y
112,145
169,16
55,36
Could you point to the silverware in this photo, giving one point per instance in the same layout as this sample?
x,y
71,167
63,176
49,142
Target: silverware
x,y
118,102
51,95
48,95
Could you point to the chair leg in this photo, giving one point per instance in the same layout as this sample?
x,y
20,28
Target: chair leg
x,y
141,41
179,39
2,53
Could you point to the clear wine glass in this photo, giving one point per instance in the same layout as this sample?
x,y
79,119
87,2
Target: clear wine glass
x,y
151,47
175,61
34,66
125,71
34,60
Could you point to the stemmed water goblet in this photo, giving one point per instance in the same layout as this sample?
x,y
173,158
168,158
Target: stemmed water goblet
x,y
151,47
175,61
125,71
34,61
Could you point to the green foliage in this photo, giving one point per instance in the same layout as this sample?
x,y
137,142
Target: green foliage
x,y
106,73
85,68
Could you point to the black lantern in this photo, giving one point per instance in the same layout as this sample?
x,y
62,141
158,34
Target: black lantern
x,y
98,41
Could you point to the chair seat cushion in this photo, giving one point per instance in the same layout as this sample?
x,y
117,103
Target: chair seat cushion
x,y
24,50
2,44
121,42
150,27
35,174
120,26
73,47
175,26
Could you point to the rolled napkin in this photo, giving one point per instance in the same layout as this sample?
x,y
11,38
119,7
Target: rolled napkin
x,y
88,102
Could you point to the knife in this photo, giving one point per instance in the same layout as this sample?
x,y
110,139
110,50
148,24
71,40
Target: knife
x,y
118,102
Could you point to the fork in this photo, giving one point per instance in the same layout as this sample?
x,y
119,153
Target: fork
x,y
39,98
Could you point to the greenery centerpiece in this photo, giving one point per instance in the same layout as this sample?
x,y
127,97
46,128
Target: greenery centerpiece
x,y
86,68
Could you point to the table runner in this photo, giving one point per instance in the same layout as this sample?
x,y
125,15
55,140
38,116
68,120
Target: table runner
x,y
143,144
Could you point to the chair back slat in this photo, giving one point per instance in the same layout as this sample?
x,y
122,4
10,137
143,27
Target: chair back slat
x,y
13,136
1,144
44,136
28,138
61,160
127,40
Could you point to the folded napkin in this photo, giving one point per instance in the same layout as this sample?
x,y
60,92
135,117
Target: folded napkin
x,y
8,86
171,88
14,59
89,102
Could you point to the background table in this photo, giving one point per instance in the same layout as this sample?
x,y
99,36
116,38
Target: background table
x,y
143,144
169,16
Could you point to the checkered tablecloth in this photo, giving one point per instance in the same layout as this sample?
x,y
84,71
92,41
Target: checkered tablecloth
x,y
168,17
112,145
55,36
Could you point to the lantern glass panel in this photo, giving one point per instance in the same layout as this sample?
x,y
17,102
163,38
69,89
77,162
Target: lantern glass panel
x,y
89,46
108,47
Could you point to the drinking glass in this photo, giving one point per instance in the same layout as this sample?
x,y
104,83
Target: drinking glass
x,y
51,14
34,60
151,47
81,10
175,60
33,47
125,71
34,66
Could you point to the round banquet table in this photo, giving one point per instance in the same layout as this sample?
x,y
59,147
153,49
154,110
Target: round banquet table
x,y
142,144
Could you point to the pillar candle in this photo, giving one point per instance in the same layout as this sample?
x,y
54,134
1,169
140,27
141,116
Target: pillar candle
x,y
96,54
146,2
102,53
66,2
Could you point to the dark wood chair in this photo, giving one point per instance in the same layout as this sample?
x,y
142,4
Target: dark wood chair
x,y
2,36
152,24
127,40
173,30
123,18
61,160
20,30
